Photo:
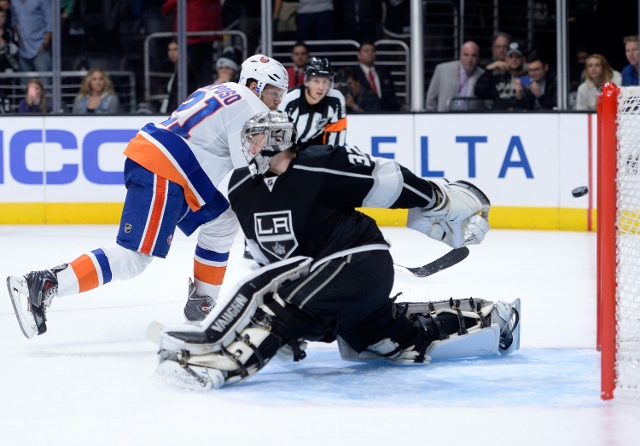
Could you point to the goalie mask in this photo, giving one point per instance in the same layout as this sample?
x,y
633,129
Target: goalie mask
x,y
263,136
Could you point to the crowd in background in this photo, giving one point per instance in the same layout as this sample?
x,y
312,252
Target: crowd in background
x,y
513,78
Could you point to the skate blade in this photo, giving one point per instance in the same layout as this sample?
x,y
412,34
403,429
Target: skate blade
x,y
19,294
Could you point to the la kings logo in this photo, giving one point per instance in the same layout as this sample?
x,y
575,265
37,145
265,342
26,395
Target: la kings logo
x,y
274,233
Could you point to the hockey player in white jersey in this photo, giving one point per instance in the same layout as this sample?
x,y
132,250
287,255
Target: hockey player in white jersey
x,y
328,270
172,172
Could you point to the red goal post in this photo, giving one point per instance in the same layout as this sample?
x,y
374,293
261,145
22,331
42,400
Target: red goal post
x,y
618,242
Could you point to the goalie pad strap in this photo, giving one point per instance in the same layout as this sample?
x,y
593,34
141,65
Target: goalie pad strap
x,y
455,304
182,358
483,320
247,340
244,373
436,321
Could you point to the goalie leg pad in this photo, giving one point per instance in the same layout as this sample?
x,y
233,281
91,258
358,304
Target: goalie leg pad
x,y
251,350
473,315
234,312
443,328
386,335
241,335
479,342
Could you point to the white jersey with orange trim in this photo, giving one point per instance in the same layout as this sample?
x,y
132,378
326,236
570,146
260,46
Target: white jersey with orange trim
x,y
200,143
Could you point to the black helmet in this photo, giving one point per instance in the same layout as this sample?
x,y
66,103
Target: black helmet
x,y
319,67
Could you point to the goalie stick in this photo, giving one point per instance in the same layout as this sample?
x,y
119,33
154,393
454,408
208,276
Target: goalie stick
x,y
451,258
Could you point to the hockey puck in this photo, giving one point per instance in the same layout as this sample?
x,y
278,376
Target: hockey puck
x,y
580,191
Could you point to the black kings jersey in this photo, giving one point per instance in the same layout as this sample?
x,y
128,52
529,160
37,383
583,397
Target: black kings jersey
x,y
322,123
310,209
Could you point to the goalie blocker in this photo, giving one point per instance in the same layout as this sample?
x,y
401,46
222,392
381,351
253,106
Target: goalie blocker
x,y
247,329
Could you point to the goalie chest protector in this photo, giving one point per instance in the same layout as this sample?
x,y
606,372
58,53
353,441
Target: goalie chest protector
x,y
308,210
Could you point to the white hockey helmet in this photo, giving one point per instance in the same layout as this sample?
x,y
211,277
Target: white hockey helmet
x,y
266,71
279,134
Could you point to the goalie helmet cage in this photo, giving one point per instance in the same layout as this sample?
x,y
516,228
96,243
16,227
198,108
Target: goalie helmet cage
x,y
618,241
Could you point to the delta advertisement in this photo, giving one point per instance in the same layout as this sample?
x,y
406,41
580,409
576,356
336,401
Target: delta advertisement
x,y
63,169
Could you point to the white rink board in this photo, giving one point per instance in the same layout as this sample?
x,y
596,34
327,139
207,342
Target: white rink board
x,y
84,154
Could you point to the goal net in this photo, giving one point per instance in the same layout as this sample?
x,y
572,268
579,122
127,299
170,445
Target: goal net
x,y
619,240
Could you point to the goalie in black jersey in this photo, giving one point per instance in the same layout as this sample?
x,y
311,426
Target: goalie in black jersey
x,y
319,111
327,272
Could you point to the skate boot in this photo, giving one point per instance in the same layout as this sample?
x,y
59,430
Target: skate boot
x,y
30,296
508,317
197,307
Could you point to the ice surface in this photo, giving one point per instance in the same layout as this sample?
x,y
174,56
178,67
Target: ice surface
x,y
90,379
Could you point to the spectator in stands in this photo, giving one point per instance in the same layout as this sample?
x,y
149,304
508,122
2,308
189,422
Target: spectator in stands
x,y
541,81
597,72
96,94
5,5
630,72
8,46
171,101
227,68
359,99
454,79
505,88
36,99
576,68
32,26
315,20
284,15
499,47
202,15
376,78
299,57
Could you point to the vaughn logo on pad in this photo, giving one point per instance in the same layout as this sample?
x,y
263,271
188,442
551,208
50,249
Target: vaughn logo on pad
x,y
274,232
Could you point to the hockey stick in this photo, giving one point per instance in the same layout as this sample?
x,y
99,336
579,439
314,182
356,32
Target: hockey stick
x,y
451,258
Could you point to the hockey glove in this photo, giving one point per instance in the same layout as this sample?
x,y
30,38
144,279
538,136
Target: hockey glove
x,y
459,218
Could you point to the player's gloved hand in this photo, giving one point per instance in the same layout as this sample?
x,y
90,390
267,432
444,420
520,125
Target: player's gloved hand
x,y
458,219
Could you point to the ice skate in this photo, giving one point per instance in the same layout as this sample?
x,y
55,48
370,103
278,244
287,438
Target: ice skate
x,y
508,317
30,296
197,307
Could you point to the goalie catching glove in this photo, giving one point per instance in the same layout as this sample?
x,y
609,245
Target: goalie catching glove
x,y
459,217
